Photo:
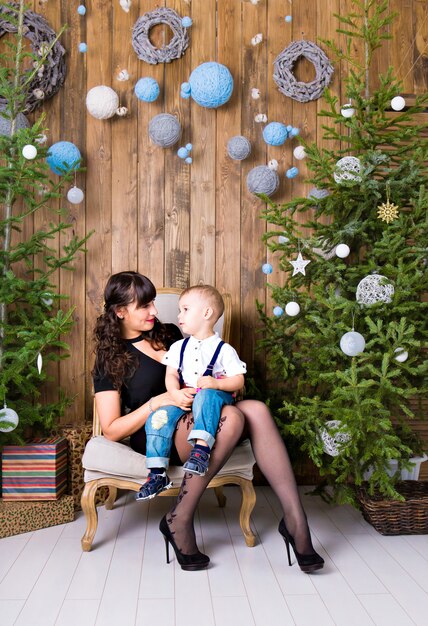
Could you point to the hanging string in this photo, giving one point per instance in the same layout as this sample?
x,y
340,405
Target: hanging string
x,y
353,321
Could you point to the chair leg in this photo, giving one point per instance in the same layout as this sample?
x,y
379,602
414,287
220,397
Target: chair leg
x,y
247,505
91,514
221,498
112,495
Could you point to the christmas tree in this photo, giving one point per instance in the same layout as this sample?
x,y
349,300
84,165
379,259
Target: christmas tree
x,y
33,318
348,334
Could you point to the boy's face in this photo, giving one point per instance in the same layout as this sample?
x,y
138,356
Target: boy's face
x,y
193,313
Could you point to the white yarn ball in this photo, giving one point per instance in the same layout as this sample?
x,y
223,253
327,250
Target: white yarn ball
x,y
348,169
10,417
398,103
347,110
374,288
402,355
352,343
342,250
292,309
102,102
29,152
75,195
333,443
299,152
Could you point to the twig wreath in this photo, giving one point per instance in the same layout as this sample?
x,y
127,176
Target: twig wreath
x,y
144,48
286,81
51,75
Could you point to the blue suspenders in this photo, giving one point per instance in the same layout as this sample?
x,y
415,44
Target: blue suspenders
x,y
208,371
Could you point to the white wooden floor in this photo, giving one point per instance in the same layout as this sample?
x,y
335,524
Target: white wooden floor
x,y
45,578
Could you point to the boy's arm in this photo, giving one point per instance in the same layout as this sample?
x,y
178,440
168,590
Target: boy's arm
x,y
230,383
183,398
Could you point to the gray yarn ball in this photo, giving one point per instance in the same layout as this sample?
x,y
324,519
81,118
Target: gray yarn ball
x,y
238,148
262,179
317,194
164,130
5,123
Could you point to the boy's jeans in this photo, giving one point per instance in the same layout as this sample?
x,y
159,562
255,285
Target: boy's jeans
x,y
161,425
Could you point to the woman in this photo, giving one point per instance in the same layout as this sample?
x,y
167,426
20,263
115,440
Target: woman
x,y
129,382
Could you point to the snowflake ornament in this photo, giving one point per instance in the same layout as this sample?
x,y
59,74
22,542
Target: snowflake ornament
x,y
387,212
299,265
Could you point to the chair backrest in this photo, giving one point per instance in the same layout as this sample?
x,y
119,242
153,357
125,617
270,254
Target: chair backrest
x,y
167,306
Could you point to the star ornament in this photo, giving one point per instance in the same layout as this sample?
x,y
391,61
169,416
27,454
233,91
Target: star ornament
x,y
387,212
299,265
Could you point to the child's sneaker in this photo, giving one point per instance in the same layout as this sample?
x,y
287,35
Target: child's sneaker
x,y
197,463
155,484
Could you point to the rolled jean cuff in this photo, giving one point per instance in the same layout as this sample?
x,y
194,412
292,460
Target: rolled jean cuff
x,y
157,461
201,434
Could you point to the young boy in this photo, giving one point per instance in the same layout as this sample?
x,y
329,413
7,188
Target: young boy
x,y
201,366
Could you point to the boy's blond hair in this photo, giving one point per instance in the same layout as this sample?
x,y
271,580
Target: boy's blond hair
x,y
211,296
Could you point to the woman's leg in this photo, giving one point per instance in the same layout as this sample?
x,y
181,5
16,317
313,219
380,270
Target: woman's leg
x,y
180,518
273,460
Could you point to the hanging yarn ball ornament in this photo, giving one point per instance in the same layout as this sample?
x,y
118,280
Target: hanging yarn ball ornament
x,y
317,194
144,48
63,157
83,47
238,148
75,195
342,250
186,21
374,288
286,81
147,89
6,124
333,438
352,343
348,169
29,152
8,419
283,239
267,268
292,309
164,130
47,299
398,103
81,9
278,311
46,82
299,153
347,110
401,355
102,102
210,85
292,172
275,133
262,179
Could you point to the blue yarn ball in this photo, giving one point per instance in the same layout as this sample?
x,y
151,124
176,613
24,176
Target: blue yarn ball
x,y
278,311
275,133
81,9
182,153
83,47
189,160
211,84
186,22
292,172
147,89
63,157
189,147
267,268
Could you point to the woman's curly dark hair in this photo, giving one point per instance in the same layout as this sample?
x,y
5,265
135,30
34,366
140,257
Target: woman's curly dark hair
x,y
112,358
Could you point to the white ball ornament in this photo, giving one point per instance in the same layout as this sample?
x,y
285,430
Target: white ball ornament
x,y
102,102
347,110
8,419
342,250
401,355
75,195
29,152
292,309
352,343
333,443
348,169
398,103
299,153
374,288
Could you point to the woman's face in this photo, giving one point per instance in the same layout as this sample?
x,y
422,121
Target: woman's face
x,y
134,319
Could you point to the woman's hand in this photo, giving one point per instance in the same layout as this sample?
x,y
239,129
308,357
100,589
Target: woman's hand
x,y
183,398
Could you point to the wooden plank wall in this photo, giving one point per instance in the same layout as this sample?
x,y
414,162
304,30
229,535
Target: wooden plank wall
x,y
149,210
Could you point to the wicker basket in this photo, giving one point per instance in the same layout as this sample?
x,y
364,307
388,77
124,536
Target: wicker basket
x,y
392,517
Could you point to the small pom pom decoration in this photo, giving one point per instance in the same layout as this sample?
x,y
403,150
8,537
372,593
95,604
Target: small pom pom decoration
x,y
123,75
333,439
102,102
348,169
63,157
255,93
147,89
374,288
122,111
260,118
347,110
81,9
47,299
186,21
342,250
267,268
262,179
257,39
275,133
292,309
189,147
292,172
238,148
283,239
8,419
5,124
398,103
188,160
211,85
294,132
278,311
317,194
288,19
273,165
164,130
401,355
75,195
352,343
299,153
29,152
83,47
183,153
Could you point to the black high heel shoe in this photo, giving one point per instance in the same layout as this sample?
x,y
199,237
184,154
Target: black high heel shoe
x,y
308,562
189,562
